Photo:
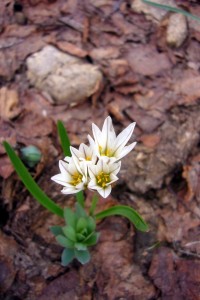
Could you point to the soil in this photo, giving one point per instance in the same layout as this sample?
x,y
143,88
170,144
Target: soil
x,y
147,76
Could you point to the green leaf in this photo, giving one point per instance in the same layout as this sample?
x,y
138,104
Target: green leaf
x,y
65,242
80,246
80,198
171,8
69,232
94,204
91,224
80,237
82,256
64,139
67,256
81,224
70,217
127,212
56,230
30,184
80,212
92,240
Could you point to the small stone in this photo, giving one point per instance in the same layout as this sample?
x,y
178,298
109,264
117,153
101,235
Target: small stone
x,y
64,78
177,30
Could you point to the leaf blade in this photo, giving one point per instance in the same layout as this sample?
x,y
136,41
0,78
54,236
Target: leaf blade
x,y
173,9
30,183
127,212
64,139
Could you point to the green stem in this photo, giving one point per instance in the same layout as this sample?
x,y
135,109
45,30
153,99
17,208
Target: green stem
x,y
93,205
80,198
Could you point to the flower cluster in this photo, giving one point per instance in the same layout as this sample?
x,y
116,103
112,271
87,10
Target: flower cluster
x,y
95,166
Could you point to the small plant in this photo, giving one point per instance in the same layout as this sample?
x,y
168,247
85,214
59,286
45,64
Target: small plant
x,y
78,234
94,167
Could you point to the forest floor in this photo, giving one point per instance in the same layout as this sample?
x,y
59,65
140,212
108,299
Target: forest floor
x,y
80,61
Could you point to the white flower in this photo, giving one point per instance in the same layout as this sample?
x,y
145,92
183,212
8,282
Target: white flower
x,y
107,145
85,154
73,177
102,175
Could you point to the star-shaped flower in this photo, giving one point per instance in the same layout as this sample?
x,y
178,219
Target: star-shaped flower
x,y
107,145
102,176
84,154
73,176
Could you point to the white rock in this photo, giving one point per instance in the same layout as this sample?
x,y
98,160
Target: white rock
x,y
65,78
151,12
177,30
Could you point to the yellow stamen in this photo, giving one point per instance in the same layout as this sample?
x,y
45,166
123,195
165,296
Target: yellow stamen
x,y
103,179
77,178
106,152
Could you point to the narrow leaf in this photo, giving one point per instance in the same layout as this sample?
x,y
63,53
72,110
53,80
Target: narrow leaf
x,y
80,237
69,232
56,230
30,183
93,239
65,242
70,217
80,212
81,224
94,204
67,257
173,9
82,256
64,139
91,224
80,246
127,212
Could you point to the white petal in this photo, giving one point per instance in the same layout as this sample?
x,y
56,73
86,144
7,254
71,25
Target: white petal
x,y
60,179
93,145
75,152
92,171
107,159
63,166
96,133
93,185
67,159
125,150
108,126
115,167
124,136
113,178
104,167
70,191
105,192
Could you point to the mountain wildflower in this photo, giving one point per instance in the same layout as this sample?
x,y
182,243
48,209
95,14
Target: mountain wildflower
x,y
107,145
73,177
84,154
102,176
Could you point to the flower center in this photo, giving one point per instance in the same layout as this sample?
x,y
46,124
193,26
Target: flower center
x,y
88,158
77,178
103,179
106,152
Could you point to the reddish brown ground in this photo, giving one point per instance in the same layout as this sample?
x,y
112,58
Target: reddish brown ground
x,y
144,80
